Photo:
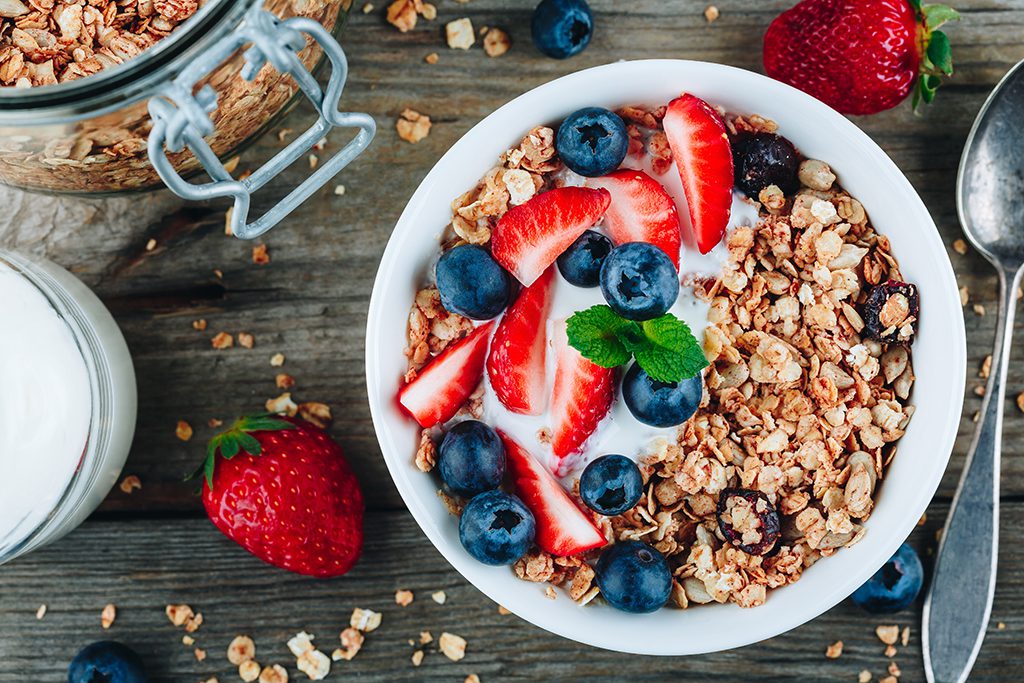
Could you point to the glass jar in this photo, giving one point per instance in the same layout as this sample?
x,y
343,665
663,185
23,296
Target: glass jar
x,y
67,412
197,96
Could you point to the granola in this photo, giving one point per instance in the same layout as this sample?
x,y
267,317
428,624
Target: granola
x,y
805,396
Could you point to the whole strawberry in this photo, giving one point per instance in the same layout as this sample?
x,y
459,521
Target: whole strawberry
x,y
861,56
282,489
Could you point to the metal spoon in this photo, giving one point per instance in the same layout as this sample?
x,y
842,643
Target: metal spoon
x,y
990,199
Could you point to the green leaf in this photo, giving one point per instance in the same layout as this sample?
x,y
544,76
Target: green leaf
x,y
263,423
594,332
249,444
228,445
208,468
668,351
937,15
940,54
916,4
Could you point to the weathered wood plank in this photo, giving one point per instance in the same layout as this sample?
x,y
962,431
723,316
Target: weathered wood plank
x,y
142,565
310,301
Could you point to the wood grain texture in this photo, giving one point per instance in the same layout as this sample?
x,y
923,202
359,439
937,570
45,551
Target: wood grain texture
x,y
150,548
142,565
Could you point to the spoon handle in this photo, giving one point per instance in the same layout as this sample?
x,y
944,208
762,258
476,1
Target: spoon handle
x,y
959,602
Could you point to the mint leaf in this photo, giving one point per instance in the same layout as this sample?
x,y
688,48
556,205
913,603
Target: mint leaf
x,y
668,351
595,334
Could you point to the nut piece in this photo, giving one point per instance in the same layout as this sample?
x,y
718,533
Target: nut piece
x,y
249,670
496,42
453,646
274,674
835,650
222,341
459,34
179,614
365,620
316,413
108,615
241,650
413,126
403,598
888,634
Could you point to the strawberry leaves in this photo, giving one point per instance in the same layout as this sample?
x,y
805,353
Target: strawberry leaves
x,y
236,439
663,347
937,60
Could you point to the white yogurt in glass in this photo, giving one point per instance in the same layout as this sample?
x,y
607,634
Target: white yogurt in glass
x,y
619,432
67,406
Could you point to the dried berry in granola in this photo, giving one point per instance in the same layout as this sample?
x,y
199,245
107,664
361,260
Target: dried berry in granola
x,y
891,311
748,520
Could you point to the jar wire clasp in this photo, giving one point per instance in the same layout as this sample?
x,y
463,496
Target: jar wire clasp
x,y
182,119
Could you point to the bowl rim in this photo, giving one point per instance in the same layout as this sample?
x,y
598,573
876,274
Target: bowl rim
x,y
399,462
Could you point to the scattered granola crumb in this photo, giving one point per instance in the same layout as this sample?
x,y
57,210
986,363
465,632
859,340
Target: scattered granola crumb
x,y
277,360
426,637
351,643
453,646
959,246
316,413
986,367
282,135
310,661
200,654
835,650
211,679
151,244
188,640
193,623
403,598
249,670
459,34
199,324
974,418
183,431
366,620
417,657
432,58
242,649
179,614
284,381
979,309
711,13
890,651
108,615
894,669
213,423
920,522
550,593
130,483
888,634
472,678
413,126
246,340
502,610
1001,626
222,341
368,7
905,636
227,220
339,190
888,679
965,296
1020,402
41,612
231,164
314,161
864,676
439,597
283,404
260,255
274,674
496,42
218,273
402,14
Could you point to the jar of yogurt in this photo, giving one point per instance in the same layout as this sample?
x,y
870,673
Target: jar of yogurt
x,y
67,403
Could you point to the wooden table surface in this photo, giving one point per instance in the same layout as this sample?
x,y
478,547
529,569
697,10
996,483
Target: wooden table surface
x,y
154,547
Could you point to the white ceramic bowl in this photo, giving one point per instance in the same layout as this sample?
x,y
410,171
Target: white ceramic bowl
x,y
895,209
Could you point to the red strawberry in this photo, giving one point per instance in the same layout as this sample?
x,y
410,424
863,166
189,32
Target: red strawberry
x,y
641,211
581,398
562,528
443,386
700,148
860,56
516,362
282,489
529,237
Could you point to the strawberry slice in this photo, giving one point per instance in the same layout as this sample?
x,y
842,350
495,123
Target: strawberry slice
x,y
582,396
529,237
443,386
641,211
516,361
700,147
562,528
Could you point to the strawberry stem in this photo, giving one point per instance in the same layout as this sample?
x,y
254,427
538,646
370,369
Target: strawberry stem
x,y
236,438
936,51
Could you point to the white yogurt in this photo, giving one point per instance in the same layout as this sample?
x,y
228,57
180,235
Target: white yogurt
x,y
619,432
67,403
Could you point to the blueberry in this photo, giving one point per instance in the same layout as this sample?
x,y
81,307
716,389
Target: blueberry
x,y
472,283
106,662
763,159
471,458
894,586
592,141
660,404
639,281
562,28
633,577
580,264
496,528
611,484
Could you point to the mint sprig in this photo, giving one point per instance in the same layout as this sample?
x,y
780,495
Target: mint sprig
x,y
664,347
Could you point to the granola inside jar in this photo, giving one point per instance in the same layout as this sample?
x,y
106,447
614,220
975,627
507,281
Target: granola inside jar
x,y
76,79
